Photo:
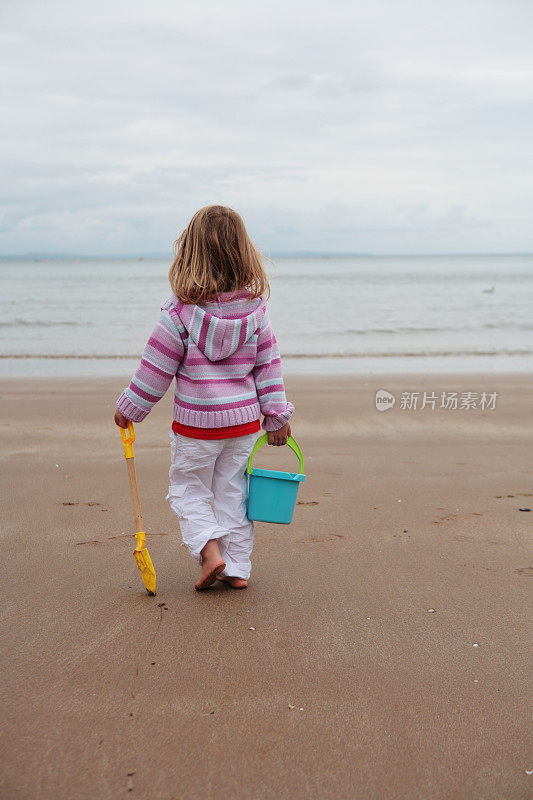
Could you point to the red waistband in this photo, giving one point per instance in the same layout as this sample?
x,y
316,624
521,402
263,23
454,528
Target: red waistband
x,y
229,432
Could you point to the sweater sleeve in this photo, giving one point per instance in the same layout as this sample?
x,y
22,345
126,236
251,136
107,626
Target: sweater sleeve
x,y
159,364
269,380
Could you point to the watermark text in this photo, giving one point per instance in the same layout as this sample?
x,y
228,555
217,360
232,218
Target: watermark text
x,y
437,401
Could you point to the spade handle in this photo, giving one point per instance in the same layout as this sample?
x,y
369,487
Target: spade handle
x,y
127,441
139,528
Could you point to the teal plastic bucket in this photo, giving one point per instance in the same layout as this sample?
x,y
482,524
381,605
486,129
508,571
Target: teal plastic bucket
x,y
272,494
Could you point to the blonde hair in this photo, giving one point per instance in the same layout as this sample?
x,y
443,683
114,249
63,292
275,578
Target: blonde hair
x,y
214,254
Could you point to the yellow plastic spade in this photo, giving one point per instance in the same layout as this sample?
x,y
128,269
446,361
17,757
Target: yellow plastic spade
x,y
141,554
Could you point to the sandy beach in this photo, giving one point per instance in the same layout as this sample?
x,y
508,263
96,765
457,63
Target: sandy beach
x,y
329,677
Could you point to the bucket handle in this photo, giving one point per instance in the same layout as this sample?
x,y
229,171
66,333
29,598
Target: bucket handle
x,y
291,441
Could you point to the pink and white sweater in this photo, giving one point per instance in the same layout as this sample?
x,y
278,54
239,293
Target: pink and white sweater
x,y
226,362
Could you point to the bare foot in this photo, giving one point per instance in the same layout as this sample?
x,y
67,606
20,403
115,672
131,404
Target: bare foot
x,y
212,565
235,583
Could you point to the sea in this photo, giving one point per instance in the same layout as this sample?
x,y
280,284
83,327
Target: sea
x,y
332,314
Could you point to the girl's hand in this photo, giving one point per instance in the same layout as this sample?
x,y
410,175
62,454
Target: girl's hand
x,y
120,419
280,436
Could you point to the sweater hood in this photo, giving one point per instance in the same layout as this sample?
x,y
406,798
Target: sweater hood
x,y
218,329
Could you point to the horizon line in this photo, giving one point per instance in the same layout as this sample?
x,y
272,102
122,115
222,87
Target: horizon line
x,y
41,256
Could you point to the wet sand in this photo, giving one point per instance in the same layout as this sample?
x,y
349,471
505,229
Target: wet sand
x,y
328,677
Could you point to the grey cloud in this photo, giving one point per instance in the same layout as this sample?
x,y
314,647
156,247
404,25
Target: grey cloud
x,y
344,125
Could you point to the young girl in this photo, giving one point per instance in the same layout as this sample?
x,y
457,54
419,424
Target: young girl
x,y
214,337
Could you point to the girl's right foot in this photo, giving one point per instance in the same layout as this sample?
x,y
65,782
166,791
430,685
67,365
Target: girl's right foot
x,y
235,583
212,565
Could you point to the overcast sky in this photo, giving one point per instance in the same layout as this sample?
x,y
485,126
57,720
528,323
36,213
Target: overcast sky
x,y
390,126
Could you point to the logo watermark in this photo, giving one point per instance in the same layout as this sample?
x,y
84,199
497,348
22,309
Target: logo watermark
x,y
384,400
437,401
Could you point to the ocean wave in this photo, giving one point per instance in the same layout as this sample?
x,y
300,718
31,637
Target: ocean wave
x,y
505,325
399,329
398,354
413,354
29,323
436,329
32,323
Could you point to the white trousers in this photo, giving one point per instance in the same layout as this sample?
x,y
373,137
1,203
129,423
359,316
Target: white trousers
x,y
208,492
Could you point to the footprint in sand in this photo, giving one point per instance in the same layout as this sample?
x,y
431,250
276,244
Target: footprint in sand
x,y
79,503
500,496
130,535
91,542
325,538
448,517
526,572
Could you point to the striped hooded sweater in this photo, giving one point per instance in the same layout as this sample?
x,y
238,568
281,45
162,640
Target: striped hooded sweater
x,y
225,361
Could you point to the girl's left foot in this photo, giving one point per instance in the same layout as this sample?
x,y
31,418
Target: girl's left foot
x,y
235,583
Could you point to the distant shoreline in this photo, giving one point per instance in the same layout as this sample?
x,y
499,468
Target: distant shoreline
x,y
286,254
